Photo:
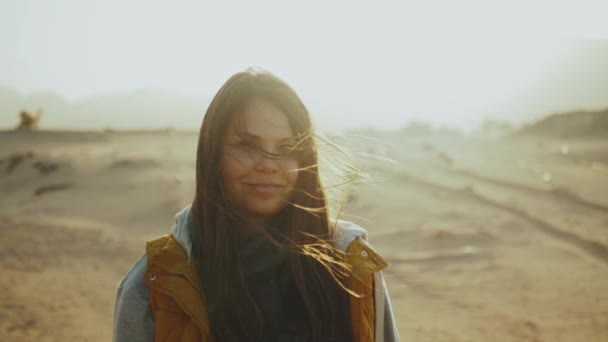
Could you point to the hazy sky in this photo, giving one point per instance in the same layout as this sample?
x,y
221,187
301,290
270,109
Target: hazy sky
x,y
445,61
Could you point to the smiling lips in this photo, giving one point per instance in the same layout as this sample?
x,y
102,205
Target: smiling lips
x,y
265,188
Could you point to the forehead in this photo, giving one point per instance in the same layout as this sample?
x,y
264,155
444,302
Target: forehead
x,y
262,119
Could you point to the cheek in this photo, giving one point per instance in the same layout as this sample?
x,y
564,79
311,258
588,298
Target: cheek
x,y
232,171
291,172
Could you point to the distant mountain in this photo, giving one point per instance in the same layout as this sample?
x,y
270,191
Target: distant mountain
x,y
578,83
148,109
585,124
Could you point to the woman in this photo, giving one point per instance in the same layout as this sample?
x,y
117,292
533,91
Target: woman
x,y
255,257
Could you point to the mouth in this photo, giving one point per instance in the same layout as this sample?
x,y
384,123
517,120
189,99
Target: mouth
x,y
265,187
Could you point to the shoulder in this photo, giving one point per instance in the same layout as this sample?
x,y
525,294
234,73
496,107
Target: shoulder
x,y
133,317
345,232
352,239
132,287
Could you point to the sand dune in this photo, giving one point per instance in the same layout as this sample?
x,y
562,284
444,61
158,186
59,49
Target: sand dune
x,y
58,279
487,240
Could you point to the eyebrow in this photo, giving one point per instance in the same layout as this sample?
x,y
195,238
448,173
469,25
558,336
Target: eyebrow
x,y
257,138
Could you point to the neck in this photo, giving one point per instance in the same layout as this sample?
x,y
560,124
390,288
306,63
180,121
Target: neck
x,y
259,223
255,225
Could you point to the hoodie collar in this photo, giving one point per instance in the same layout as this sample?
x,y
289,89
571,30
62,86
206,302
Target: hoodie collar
x,y
180,230
345,231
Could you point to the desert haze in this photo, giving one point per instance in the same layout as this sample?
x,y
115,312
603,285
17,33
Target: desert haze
x,y
488,239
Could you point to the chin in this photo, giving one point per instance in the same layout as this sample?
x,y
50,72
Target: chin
x,y
264,212
269,210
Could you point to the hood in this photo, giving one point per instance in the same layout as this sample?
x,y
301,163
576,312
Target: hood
x,y
180,230
345,233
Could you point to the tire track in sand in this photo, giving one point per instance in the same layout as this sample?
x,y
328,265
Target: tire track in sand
x,y
560,193
593,248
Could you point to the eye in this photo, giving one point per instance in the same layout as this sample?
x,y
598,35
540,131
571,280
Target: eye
x,y
245,143
290,151
286,148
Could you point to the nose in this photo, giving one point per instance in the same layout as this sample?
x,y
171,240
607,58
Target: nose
x,y
267,164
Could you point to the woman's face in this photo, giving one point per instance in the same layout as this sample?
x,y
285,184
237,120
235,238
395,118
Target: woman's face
x,y
258,167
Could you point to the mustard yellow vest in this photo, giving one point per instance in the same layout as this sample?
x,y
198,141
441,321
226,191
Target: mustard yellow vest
x,y
180,308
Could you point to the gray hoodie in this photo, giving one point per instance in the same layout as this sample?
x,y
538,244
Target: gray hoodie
x,y
134,320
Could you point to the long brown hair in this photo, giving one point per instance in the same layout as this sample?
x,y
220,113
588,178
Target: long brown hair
x,y
315,265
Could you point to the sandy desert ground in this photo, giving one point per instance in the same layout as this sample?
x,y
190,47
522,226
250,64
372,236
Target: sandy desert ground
x,y
487,239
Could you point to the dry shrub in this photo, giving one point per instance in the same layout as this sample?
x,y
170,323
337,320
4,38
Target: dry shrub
x,y
29,121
